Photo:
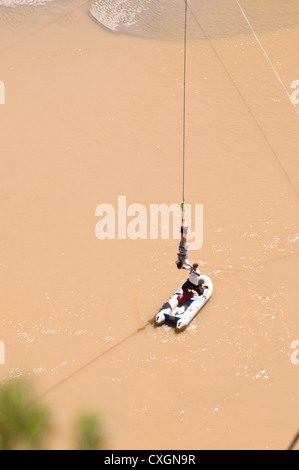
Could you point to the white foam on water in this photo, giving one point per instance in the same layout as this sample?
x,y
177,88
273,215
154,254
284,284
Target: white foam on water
x,y
121,12
18,3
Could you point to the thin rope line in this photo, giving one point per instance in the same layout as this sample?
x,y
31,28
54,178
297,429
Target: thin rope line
x,y
245,102
294,442
93,360
267,56
184,99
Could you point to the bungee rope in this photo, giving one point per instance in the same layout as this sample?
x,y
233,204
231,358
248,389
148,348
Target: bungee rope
x,y
183,206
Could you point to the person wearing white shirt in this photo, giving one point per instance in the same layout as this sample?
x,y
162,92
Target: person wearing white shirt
x,y
193,283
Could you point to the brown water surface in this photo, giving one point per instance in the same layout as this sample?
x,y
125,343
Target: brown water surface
x,y
92,115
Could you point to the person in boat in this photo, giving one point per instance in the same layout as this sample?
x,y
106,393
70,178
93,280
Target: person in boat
x,y
193,282
182,260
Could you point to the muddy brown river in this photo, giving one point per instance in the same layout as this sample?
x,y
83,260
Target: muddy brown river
x,y
94,113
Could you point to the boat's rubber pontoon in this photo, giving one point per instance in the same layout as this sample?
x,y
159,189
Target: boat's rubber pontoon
x,y
182,313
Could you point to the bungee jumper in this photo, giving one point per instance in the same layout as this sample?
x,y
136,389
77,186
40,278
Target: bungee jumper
x,y
182,260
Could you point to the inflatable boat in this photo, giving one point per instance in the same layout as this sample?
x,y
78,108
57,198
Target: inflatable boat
x,y
182,307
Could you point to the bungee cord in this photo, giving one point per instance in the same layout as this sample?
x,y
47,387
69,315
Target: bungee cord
x,y
184,97
183,207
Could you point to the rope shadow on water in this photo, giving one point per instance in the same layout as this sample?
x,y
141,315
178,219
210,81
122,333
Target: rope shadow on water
x,y
294,442
96,358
